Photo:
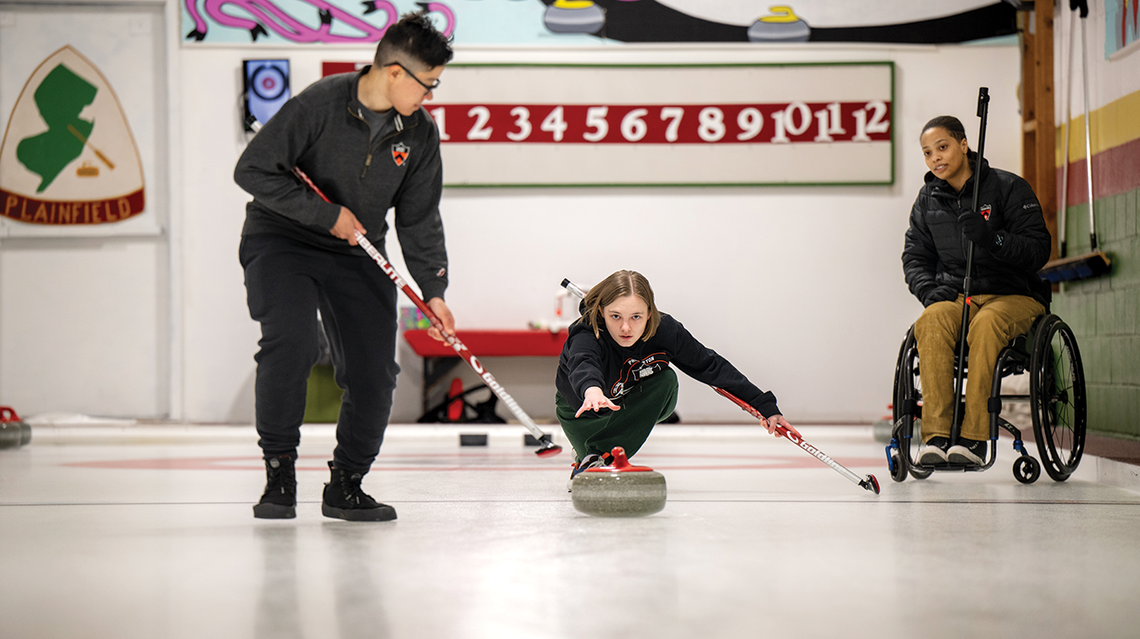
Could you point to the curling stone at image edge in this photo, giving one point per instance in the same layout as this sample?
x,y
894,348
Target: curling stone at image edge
x,y
14,432
619,490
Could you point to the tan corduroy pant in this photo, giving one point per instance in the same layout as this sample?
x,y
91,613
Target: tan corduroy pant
x,y
994,321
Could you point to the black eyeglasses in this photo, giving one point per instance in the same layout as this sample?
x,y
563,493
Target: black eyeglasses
x,y
428,88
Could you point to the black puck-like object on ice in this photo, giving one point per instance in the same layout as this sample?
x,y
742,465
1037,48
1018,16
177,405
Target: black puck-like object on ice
x,y
619,490
472,439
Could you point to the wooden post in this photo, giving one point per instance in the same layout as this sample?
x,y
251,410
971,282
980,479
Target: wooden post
x,y
1039,137
1046,186
1027,27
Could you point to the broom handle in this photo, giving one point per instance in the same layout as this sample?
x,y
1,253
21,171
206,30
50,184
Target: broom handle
x,y
1088,142
1062,248
983,112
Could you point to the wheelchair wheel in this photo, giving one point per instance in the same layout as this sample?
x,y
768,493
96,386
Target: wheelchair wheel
x,y
896,463
906,411
1026,469
1057,398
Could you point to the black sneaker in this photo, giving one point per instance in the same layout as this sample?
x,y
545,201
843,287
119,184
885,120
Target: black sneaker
x,y
933,451
343,499
280,498
967,451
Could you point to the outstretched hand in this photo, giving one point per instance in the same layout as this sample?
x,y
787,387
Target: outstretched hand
x,y
596,400
778,420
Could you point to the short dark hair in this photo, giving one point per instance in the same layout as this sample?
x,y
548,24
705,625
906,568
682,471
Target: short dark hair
x,y
952,125
620,284
413,41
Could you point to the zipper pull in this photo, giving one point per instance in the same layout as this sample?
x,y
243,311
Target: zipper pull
x,y
368,160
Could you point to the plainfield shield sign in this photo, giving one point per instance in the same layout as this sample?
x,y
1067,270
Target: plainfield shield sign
x,y
68,156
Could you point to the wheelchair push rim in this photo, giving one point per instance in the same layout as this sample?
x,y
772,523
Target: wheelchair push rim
x,y
905,414
1058,402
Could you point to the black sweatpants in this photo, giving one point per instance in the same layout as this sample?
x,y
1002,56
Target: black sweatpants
x,y
286,282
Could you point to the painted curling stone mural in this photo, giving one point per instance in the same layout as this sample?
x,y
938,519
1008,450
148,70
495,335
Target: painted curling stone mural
x,y
68,156
902,21
583,22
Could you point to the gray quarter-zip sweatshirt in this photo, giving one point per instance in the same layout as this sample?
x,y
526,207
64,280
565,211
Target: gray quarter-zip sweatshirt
x,y
323,131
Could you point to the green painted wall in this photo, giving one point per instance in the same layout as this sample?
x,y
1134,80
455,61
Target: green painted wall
x,y
322,399
1104,313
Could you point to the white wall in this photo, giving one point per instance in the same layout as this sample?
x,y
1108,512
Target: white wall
x,y
83,326
801,288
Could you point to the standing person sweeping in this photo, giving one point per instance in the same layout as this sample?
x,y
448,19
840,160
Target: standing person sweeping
x,y
364,139
1011,244
615,382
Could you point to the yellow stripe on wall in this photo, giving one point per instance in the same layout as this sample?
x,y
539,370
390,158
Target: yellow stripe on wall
x,y
1112,125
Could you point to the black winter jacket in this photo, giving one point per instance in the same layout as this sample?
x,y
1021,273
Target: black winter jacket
x,y
588,361
935,251
322,131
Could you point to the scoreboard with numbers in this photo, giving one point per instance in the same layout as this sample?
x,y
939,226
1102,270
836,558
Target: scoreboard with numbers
x,y
666,125
794,122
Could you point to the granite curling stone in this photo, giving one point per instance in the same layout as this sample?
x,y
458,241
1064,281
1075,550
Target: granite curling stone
x,y
619,490
13,431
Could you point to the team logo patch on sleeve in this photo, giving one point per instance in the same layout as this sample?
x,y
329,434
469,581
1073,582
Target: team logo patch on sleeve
x,y
985,209
400,153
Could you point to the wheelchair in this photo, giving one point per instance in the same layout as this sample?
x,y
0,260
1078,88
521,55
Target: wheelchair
x,y
1049,353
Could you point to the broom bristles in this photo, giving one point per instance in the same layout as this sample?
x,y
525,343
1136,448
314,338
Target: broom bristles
x,y
1079,267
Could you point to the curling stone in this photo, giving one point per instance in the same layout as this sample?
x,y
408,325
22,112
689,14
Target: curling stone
x,y
574,16
619,490
13,432
780,27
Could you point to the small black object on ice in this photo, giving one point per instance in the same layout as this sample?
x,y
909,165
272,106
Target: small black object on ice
x,y
473,439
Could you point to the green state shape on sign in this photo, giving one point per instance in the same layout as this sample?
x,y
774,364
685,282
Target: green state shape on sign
x,y
61,97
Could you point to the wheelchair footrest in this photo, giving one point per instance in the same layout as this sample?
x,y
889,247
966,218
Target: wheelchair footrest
x,y
951,468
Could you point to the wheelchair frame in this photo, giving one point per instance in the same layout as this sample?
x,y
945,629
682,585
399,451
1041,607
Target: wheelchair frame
x,y
1049,352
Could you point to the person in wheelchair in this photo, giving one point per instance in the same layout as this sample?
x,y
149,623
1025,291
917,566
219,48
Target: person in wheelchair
x,y
1011,244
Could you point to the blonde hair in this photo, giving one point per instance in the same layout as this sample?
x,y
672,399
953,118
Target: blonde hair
x,y
620,284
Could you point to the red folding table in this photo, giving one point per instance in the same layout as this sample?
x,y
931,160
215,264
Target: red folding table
x,y
439,358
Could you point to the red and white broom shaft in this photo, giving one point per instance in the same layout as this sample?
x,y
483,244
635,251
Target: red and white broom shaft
x,y
451,339
792,437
